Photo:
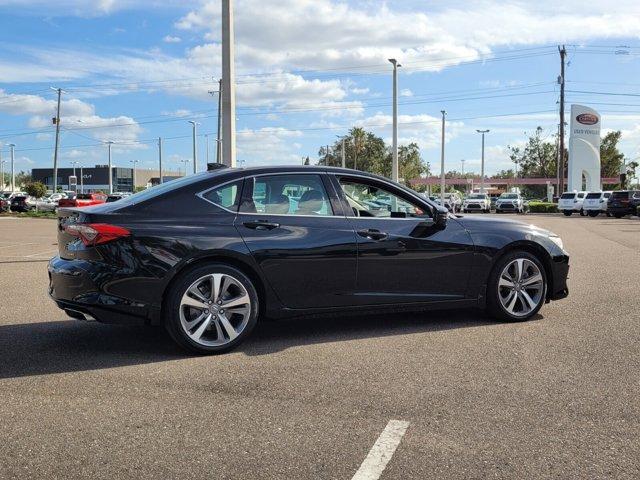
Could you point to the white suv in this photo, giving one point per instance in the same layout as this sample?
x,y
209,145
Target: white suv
x,y
571,202
595,203
476,202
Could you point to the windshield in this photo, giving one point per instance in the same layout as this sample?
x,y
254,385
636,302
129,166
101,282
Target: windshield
x,y
477,196
592,195
510,196
566,196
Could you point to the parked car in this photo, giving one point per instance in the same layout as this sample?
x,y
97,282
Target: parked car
x,y
196,256
476,202
83,200
572,202
494,198
623,202
595,203
510,202
22,203
5,205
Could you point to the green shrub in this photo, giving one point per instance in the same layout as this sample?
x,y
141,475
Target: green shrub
x,y
543,207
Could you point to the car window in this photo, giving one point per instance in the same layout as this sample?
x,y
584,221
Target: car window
x,y
372,201
226,196
592,195
620,194
290,194
510,196
581,195
567,196
607,194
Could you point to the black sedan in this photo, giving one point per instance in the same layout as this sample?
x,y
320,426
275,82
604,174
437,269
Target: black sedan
x,y
208,254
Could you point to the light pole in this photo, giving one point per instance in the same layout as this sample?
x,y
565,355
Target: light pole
x,y
228,86
482,161
195,147
133,176
206,141
2,162
55,152
13,172
81,179
394,165
185,161
442,178
109,143
160,160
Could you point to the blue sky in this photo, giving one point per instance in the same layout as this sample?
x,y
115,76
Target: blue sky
x,y
307,71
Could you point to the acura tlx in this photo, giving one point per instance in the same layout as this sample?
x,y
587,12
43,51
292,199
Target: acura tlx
x,y
207,255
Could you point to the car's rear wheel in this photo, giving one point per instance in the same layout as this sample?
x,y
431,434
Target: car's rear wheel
x,y
567,213
618,215
517,287
211,309
593,213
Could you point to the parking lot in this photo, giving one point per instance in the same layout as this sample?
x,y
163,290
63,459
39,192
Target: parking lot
x,y
558,396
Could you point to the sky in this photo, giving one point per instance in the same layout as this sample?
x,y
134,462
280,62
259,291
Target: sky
x,y
307,71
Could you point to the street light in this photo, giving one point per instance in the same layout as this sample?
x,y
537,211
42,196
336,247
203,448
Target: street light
x,y
195,148
13,172
394,165
482,162
133,175
109,143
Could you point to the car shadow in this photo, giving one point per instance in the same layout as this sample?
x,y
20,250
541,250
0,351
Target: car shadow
x,y
275,336
71,346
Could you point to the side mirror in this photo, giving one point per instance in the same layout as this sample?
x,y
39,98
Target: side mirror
x,y
441,216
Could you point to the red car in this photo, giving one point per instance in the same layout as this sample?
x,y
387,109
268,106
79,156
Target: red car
x,y
83,200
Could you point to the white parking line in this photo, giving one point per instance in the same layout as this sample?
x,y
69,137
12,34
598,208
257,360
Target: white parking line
x,y
48,252
17,245
382,451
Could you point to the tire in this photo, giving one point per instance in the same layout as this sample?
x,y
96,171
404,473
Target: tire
x,y
211,329
618,215
567,213
582,214
608,215
499,296
593,213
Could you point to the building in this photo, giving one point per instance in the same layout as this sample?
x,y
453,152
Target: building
x,y
97,178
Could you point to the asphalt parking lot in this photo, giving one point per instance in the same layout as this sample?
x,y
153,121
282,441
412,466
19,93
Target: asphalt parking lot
x,y
556,397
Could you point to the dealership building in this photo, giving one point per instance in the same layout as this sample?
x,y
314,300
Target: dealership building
x,y
97,178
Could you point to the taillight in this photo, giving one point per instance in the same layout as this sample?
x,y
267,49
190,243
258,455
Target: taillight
x,y
96,233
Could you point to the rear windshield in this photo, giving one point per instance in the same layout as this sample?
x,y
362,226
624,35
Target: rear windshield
x,y
593,195
620,195
509,195
566,196
84,196
19,199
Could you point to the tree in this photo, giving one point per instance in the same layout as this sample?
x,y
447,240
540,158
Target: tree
x,y
611,159
22,178
538,158
306,160
35,189
367,152
509,173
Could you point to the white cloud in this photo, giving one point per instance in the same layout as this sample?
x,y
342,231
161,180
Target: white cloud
x,y
269,146
405,92
171,39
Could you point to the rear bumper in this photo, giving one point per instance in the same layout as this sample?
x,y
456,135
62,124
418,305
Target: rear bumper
x,y
76,286
623,210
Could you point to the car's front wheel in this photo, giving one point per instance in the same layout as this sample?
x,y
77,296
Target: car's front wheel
x,y
517,287
211,309
567,213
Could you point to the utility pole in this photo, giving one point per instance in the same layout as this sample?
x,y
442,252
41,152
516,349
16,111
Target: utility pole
x,y
206,143
81,179
394,165
563,54
133,175
219,140
109,143
326,158
56,121
482,161
228,86
2,172
344,157
160,160
13,172
442,179
195,147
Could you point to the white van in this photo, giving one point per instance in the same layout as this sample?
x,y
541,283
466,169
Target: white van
x,y
571,202
595,203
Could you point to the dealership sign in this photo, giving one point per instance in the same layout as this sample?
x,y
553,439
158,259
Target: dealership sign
x,y
584,150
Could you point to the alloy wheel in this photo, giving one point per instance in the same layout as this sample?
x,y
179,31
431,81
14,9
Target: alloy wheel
x,y
215,309
521,287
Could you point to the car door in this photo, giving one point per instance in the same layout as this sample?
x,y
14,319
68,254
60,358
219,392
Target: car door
x,y
403,256
295,228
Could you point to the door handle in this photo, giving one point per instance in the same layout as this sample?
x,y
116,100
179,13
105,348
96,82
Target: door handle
x,y
373,234
261,225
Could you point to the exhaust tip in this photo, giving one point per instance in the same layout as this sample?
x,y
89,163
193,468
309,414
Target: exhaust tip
x,y
85,317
